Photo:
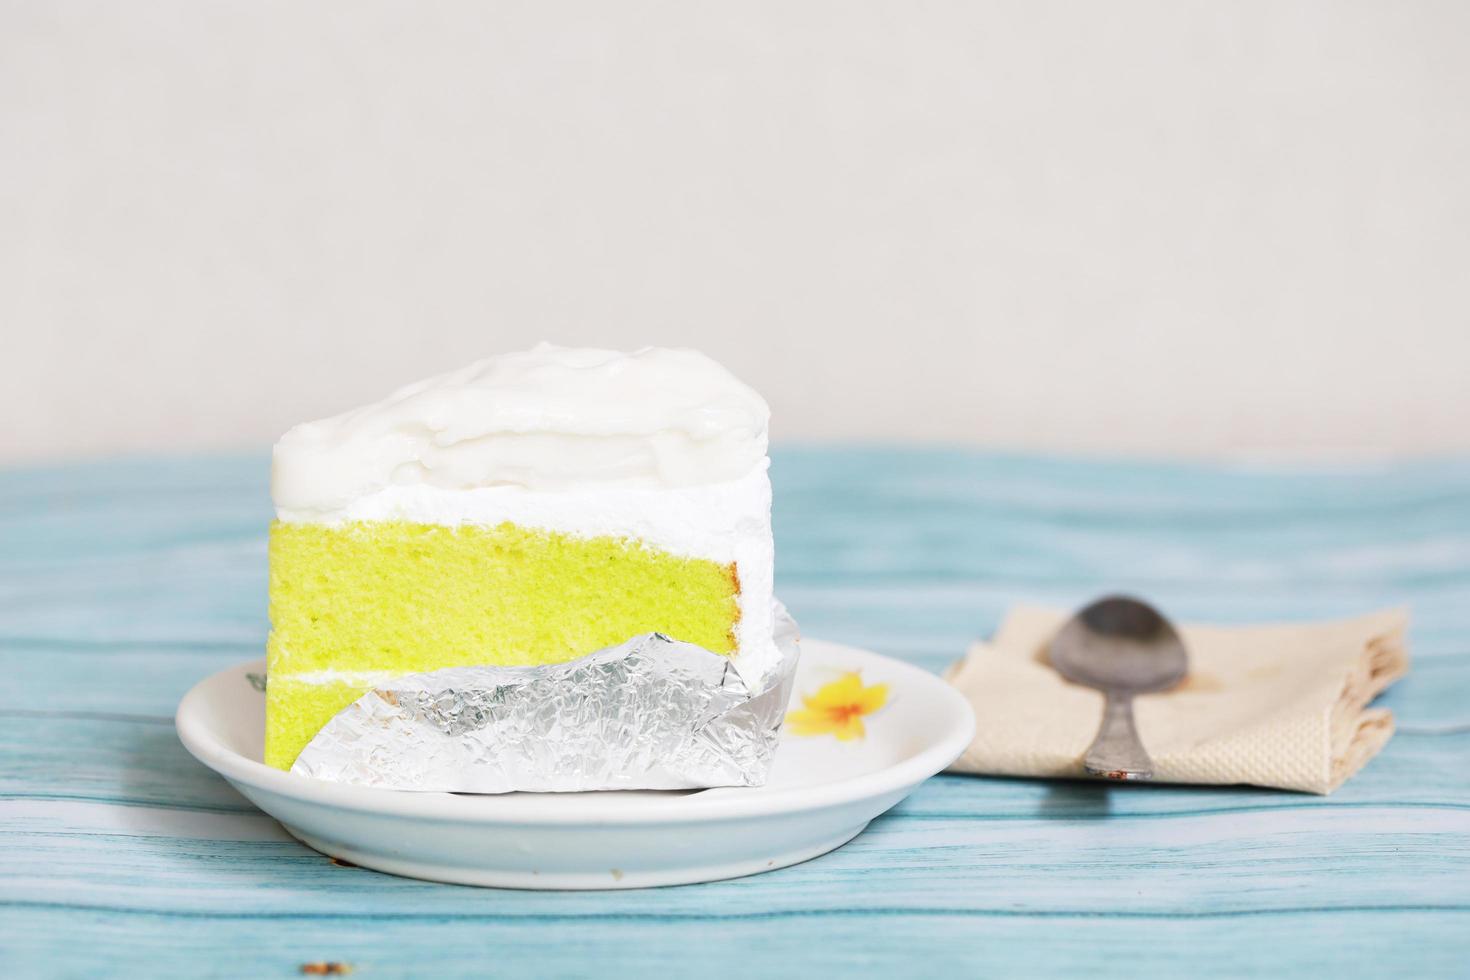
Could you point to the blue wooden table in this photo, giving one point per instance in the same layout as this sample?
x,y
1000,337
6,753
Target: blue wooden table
x,y
123,583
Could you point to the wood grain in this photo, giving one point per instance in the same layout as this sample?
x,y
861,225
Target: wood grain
x,y
122,583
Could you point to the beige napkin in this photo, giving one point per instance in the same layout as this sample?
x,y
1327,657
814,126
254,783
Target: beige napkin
x,y
1283,705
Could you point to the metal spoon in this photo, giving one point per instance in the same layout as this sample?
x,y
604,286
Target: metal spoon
x,y
1122,647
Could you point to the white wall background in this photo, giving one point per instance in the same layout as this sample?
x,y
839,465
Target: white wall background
x,y
1167,227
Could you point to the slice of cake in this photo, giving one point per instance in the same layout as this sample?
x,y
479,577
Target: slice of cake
x,y
528,509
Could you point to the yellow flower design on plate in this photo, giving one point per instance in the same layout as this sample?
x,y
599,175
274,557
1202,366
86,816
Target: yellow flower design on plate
x,y
838,708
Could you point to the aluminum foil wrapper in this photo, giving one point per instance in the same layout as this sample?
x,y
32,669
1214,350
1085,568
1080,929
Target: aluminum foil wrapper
x,y
651,713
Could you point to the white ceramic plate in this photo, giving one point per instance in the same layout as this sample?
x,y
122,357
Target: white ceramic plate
x,y
821,794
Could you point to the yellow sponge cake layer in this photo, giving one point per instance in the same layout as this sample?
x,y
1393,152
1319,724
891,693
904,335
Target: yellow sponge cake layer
x,y
296,709
394,597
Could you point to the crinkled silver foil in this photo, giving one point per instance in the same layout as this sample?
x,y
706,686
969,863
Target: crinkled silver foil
x,y
651,713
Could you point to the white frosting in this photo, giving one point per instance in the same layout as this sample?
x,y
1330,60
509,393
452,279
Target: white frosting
x,y
662,446
552,418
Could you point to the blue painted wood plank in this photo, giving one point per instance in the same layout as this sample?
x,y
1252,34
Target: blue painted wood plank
x,y
194,863
746,943
137,760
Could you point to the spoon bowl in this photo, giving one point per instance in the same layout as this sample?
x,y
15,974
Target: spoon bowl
x,y
1122,647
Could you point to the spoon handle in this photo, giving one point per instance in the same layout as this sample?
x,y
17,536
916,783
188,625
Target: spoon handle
x,y
1117,753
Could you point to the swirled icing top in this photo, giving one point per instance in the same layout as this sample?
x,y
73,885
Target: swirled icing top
x,y
547,419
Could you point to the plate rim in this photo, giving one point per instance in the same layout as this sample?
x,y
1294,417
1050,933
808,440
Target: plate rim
x,y
712,805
